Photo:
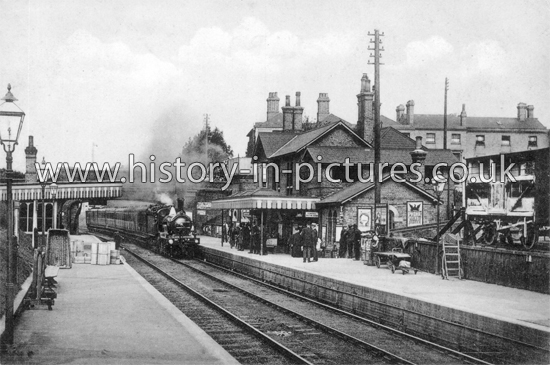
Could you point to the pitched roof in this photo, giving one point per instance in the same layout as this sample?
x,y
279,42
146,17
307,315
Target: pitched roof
x,y
272,141
358,188
331,118
302,140
435,121
390,156
391,138
275,121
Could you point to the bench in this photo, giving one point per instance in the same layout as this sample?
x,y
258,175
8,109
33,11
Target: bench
x,y
331,250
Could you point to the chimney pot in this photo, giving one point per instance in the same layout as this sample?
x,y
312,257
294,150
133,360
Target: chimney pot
x,y
418,142
410,112
365,83
399,113
322,107
298,98
272,105
530,111
522,112
287,103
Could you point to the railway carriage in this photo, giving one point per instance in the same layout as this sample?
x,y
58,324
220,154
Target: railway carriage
x,y
160,228
510,212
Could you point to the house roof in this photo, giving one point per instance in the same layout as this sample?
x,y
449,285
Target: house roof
x,y
358,188
391,138
331,118
300,141
435,121
275,121
390,156
272,141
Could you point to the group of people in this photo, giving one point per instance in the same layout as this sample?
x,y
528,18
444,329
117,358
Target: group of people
x,y
245,237
350,242
305,242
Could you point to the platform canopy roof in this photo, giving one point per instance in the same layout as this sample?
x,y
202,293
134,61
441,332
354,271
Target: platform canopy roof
x,y
264,199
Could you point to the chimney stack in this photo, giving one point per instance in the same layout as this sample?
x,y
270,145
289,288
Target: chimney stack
x,y
30,159
419,156
410,112
322,107
399,114
298,113
463,114
272,105
292,115
522,112
530,111
365,100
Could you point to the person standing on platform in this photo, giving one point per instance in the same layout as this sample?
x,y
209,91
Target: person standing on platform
x,y
356,243
238,237
350,238
224,232
295,243
343,249
315,242
246,236
255,238
308,242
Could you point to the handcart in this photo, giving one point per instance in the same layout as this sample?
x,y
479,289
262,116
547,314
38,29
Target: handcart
x,y
395,260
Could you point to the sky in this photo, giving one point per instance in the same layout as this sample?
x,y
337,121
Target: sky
x,y
103,79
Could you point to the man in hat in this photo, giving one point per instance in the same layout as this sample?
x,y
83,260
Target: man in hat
x,y
295,243
308,241
343,249
356,243
350,239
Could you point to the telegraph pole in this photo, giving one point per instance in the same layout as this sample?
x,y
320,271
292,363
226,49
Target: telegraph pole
x,y
206,120
377,49
447,186
445,115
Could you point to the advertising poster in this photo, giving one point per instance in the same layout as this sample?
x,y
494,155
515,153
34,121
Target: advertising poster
x,y
414,214
364,219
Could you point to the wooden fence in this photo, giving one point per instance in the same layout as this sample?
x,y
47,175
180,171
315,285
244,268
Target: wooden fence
x,y
516,269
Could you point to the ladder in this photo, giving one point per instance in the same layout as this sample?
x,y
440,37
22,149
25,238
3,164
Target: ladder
x,y
451,257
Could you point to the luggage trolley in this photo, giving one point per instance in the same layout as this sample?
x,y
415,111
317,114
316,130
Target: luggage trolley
x,y
395,260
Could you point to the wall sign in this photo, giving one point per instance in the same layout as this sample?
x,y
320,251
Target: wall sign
x,y
414,214
364,219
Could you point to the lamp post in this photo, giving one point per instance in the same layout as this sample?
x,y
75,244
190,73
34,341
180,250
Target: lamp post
x,y
439,186
43,185
10,113
53,192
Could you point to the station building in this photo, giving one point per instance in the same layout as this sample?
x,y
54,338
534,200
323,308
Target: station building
x,y
282,143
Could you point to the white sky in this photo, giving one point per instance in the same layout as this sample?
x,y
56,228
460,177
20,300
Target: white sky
x,y
137,76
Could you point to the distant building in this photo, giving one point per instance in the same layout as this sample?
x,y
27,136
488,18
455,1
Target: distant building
x,y
475,136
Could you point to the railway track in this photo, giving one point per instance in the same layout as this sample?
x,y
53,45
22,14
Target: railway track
x,y
312,332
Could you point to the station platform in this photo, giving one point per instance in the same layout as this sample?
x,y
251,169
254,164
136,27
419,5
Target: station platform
x,y
480,304
110,315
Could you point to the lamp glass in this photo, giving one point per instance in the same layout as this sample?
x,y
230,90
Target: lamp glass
x,y
11,121
53,189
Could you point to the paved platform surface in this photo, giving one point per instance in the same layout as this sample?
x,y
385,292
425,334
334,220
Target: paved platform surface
x,y
507,304
111,315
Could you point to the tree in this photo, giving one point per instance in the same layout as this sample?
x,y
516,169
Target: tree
x,y
218,149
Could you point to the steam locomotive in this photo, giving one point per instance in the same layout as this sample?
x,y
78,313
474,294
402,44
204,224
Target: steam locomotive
x,y
159,228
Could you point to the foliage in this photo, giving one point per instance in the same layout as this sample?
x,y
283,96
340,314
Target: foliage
x,y
218,149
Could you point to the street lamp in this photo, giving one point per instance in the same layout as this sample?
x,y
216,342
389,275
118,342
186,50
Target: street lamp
x,y
43,184
10,114
439,187
53,192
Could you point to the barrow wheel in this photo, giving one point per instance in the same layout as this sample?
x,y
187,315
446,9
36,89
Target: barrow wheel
x,y
532,237
490,233
378,262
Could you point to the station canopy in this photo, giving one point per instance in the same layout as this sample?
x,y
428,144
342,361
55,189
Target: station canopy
x,y
264,199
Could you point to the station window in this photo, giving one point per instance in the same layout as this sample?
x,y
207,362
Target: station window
x,y
455,139
532,141
480,140
505,141
430,138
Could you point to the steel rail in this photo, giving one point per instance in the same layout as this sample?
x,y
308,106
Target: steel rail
x,y
351,315
230,315
398,308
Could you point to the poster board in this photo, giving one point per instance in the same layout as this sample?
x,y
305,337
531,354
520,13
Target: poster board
x,y
415,213
364,219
